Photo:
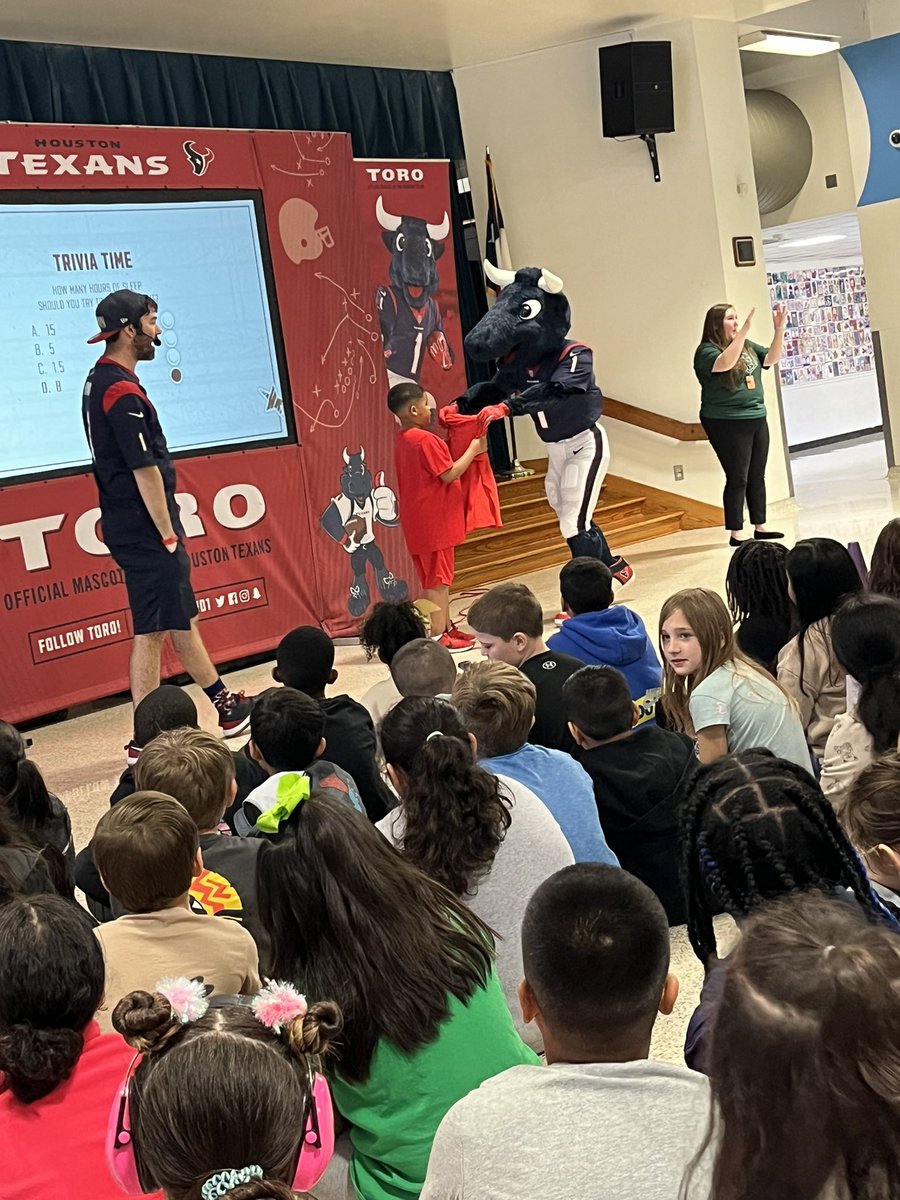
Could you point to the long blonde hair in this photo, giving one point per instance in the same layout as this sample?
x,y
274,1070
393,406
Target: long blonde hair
x,y
710,621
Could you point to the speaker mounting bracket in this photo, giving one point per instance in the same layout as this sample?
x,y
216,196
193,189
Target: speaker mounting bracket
x,y
649,140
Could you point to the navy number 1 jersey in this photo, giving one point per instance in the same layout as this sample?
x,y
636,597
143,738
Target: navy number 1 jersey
x,y
568,414
406,331
124,434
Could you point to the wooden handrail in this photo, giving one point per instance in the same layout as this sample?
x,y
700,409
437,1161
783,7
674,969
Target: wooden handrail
x,y
681,431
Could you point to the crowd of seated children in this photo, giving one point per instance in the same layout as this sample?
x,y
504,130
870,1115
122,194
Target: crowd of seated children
x,y
483,919
287,739
423,667
147,850
600,1120
389,625
638,771
496,704
304,661
755,828
821,574
713,692
602,633
485,837
509,628
411,968
865,638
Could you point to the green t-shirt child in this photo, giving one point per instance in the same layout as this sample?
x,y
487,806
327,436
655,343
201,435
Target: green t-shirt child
x,y
717,400
395,1113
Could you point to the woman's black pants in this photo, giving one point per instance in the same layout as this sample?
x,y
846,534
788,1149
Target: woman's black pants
x,y
742,448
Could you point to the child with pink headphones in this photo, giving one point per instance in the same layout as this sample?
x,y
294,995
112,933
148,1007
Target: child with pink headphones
x,y
223,1097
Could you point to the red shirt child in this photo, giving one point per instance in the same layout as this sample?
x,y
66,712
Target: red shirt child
x,y
432,511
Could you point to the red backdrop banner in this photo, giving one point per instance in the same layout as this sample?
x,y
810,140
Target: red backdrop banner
x,y
279,535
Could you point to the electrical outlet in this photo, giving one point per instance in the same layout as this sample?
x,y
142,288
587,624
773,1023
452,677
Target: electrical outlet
x,y
678,472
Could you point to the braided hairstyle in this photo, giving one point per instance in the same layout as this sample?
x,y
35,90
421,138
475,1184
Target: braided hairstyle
x,y
756,583
390,625
755,827
456,814
220,1093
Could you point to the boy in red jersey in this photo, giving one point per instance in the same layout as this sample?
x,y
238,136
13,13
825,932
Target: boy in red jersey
x,y
432,512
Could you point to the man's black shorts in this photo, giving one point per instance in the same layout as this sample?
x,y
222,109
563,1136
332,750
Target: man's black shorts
x,y
159,587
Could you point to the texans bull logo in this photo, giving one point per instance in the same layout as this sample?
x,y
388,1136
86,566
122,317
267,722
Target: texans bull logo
x,y
199,159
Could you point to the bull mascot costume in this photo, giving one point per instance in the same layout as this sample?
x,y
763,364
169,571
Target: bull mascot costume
x,y
350,521
544,374
411,321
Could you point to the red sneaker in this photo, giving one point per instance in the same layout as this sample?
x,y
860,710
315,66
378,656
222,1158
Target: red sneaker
x,y
622,572
455,641
462,635
560,619
132,752
234,710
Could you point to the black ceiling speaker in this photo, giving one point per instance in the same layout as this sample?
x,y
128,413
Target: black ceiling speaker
x,y
636,89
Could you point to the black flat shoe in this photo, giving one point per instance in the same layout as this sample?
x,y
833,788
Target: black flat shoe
x,y
767,535
733,541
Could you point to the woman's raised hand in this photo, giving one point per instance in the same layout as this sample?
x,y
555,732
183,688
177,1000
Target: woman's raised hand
x,y
748,321
779,316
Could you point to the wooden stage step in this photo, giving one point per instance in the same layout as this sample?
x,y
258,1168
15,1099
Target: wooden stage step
x,y
530,539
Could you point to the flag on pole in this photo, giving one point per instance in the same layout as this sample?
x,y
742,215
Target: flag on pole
x,y
496,249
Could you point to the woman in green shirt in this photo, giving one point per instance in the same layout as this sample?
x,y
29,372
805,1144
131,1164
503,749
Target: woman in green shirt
x,y
411,967
733,411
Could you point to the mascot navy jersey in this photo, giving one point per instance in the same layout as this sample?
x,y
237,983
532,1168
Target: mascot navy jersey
x,y
406,331
573,372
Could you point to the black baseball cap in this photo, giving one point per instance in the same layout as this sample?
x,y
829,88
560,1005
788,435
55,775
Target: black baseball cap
x,y
119,309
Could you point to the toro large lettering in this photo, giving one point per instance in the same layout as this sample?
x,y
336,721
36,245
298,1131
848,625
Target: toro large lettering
x,y
32,535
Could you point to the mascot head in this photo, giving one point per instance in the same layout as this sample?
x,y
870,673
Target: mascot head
x,y
415,246
529,320
356,478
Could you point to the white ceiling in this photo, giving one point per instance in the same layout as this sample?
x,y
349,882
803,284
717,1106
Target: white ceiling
x,y
780,249
432,34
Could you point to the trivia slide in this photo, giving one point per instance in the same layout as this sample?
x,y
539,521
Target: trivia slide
x,y
217,379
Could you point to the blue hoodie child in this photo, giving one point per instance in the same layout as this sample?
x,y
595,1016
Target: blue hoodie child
x,y
615,637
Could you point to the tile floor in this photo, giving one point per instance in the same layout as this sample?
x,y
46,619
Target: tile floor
x,y
845,493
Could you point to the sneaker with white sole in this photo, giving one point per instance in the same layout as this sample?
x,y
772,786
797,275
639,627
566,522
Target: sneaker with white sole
x,y
622,572
234,710
560,619
454,641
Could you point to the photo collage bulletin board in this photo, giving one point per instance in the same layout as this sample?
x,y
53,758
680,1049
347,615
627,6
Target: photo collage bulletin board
x,y
828,333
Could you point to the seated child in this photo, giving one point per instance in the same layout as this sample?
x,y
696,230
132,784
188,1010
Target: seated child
x,y
304,661
637,771
871,816
597,631
509,627
713,692
600,1120
432,509
423,668
40,815
197,768
287,740
757,590
496,703
390,625
147,851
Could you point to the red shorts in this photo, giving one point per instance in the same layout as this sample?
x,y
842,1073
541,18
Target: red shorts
x,y
435,568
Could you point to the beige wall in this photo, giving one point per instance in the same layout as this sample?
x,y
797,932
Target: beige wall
x,y
641,261
815,86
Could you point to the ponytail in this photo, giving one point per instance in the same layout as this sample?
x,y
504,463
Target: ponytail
x,y
878,709
455,813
